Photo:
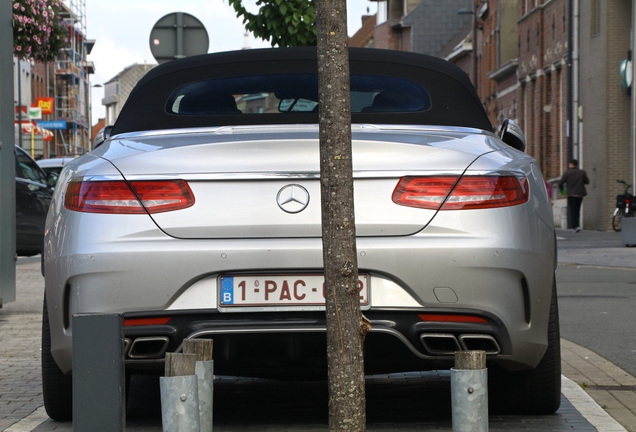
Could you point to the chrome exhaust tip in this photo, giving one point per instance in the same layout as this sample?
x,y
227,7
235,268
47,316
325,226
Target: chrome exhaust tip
x,y
151,347
479,342
440,343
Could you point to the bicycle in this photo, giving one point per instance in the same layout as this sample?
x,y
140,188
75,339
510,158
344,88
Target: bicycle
x,y
623,207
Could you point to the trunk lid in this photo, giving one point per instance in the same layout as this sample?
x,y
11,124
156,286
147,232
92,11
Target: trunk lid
x,y
263,182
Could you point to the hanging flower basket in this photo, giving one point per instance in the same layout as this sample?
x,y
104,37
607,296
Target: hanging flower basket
x,y
39,33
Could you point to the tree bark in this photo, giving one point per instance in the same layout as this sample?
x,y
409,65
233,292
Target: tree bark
x,y
345,327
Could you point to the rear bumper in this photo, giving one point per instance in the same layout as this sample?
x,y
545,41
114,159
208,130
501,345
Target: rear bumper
x,y
502,273
286,343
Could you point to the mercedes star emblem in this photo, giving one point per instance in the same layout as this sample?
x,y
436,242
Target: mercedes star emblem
x,y
293,198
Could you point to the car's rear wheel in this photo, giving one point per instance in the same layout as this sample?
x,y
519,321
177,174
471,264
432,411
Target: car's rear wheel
x,y
536,391
57,388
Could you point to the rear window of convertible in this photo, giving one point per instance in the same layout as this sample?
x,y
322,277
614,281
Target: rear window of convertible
x,y
293,93
279,86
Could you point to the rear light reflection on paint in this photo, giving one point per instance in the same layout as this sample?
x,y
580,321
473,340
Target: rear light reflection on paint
x,y
146,321
451,318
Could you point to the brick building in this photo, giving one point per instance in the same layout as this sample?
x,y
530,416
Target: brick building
x,y
599,131
543,82
521,71
586,115
422,26
497,58
62,86
605,116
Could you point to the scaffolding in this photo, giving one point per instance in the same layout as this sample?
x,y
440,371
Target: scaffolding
x,y
72,83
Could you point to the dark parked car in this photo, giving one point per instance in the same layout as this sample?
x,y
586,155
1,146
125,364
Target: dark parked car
x,y
54,166
32,198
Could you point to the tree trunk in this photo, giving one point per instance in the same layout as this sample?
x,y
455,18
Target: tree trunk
x,y
345,327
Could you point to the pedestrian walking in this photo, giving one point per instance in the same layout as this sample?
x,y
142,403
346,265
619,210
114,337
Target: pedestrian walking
x,y
574,180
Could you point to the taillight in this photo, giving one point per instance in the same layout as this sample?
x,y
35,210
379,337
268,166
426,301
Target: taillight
x,y
467,192
117,196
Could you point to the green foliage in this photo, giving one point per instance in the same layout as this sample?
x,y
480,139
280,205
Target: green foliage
x,y
281,22
38,30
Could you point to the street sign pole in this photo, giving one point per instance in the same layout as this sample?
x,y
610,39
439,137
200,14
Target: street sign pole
x,y
179,30
7,157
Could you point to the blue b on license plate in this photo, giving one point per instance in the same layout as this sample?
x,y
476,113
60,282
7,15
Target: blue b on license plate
x,y
279,290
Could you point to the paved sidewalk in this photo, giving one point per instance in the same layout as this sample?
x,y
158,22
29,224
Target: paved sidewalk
x,y
613,389
20,322
587,377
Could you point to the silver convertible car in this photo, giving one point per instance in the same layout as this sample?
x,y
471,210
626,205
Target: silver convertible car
x,y
198,215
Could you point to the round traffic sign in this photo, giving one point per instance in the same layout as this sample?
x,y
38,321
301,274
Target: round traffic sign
x,y
178,35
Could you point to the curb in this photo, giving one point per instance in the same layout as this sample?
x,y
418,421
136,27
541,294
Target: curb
x,y
588,408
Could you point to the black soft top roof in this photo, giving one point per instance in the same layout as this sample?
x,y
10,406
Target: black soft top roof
x,y
453,101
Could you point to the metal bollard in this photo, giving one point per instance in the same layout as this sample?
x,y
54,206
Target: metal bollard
x,y
186,390
179,404
469,392
205,377
99,402
204,369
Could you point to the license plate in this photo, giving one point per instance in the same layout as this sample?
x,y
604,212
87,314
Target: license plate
x,y
279,291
